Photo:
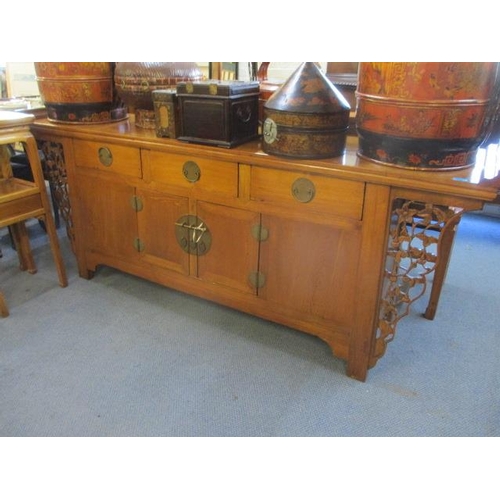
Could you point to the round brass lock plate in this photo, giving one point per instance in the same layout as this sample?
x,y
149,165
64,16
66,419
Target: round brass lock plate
x,y
191,171
303,190
269,130
193,235
105,156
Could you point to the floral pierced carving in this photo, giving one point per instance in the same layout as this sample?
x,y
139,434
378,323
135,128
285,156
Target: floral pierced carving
x,y
412,254
54,169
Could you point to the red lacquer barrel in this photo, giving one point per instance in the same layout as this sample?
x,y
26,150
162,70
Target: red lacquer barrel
x,y
79,92
425,115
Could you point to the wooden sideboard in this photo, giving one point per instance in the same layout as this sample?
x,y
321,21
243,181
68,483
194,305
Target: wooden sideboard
x,y
336,248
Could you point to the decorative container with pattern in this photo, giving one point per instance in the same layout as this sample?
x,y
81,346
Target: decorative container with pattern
x,y
79,92
135,82
218,112
307,117
166,112
424,115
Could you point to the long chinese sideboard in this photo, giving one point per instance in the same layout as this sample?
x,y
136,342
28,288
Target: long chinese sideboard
x,y
336,248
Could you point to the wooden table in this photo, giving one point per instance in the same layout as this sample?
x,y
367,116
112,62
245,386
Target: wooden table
x,y
336,248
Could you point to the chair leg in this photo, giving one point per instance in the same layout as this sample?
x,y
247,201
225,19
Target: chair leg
x,y
21,241
32,152
4,311
446,246
56,249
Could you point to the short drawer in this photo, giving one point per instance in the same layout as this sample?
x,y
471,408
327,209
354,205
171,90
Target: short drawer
x,y
307,192
124,160
193,173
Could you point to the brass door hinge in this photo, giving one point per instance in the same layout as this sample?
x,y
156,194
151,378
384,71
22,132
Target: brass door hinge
x,y
136,203
139,245
257,279
260,232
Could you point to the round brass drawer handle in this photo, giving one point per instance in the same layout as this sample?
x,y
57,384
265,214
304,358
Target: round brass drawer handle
x,y
191,171
303,190
105,156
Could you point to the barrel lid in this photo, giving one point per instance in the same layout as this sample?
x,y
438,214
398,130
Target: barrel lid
x,y
308,90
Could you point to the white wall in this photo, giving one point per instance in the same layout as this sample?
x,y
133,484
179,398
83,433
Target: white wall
x,y
21,79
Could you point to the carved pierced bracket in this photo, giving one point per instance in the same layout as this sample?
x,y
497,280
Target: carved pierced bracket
x,y
415,233
54,170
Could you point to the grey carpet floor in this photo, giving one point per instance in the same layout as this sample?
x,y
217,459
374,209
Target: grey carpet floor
x,y
119,356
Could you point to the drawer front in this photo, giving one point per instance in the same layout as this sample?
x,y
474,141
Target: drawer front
x,y
122,160
193,173
307,192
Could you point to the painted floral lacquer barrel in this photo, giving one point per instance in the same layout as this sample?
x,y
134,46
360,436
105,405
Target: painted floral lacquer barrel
x,y
79,92
424,115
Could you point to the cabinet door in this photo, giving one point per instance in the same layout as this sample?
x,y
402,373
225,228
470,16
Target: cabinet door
x,y
108,221
157,214
309,269
232,259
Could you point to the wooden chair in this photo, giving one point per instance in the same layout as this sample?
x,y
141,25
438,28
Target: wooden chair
x,y
21,199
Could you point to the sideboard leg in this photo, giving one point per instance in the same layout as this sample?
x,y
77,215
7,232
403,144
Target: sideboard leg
x,y
369,278
444,254
357,371
86,274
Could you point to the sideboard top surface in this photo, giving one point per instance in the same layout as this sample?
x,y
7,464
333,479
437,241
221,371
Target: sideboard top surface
x,y
469,182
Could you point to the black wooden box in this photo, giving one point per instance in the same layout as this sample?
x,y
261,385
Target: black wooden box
x,y
218,112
